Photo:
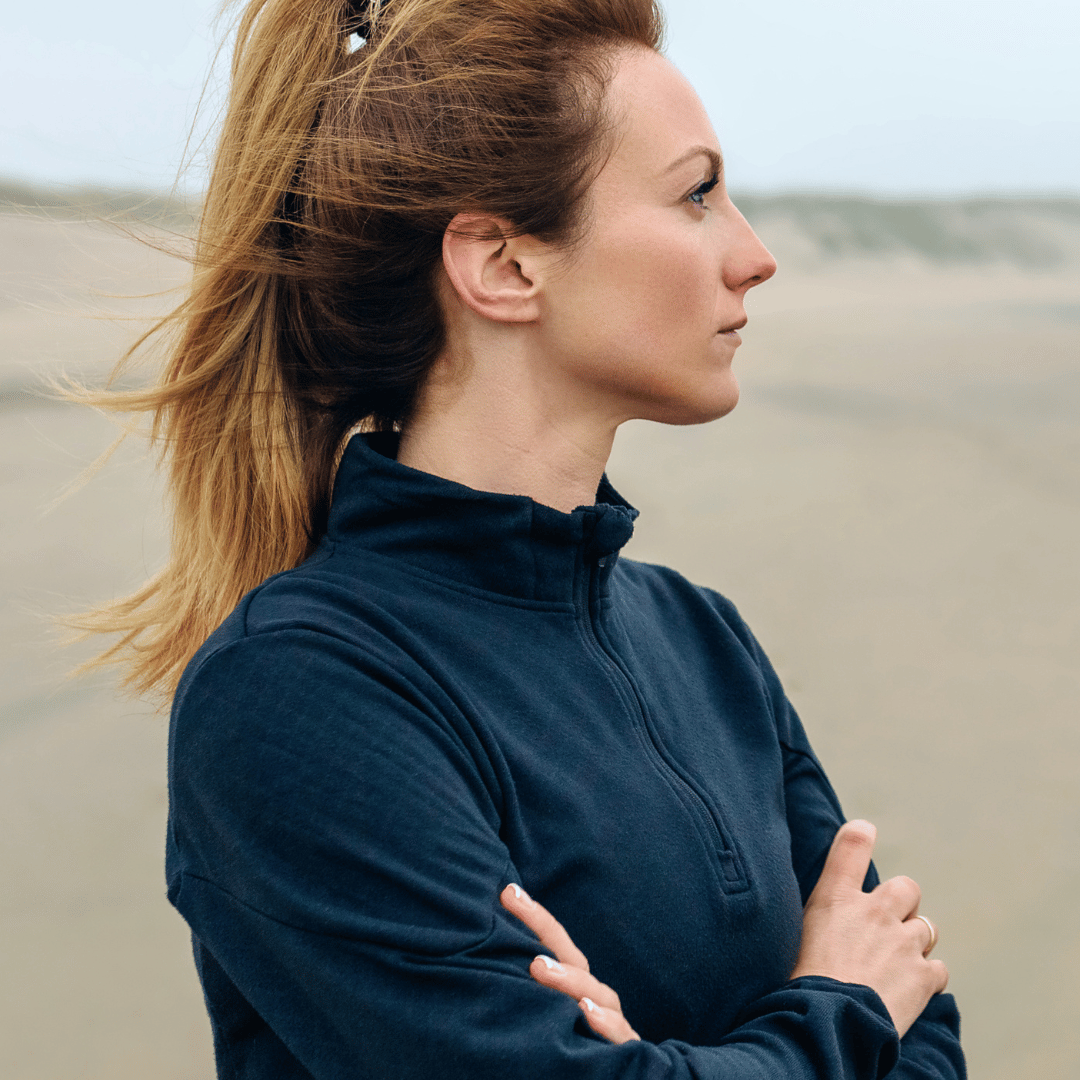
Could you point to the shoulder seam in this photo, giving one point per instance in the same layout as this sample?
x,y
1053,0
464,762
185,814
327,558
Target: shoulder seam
x,y
222,646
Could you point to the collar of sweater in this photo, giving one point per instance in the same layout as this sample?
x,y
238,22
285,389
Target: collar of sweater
x,y
507,544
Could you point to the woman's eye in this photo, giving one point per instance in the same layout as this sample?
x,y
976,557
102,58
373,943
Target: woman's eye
x,y
697,196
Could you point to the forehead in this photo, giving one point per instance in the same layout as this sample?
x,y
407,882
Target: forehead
x,y
657,116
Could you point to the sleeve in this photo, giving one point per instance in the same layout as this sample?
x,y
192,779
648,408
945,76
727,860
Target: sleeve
x,y
334,846
930,1050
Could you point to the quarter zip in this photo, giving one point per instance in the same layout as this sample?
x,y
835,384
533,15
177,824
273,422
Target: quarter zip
x,y
727,864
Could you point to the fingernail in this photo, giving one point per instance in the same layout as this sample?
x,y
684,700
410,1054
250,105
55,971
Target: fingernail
x,y
552,965
522,895
588,1004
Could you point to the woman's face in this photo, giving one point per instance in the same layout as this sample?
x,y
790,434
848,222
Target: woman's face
x,y
642,320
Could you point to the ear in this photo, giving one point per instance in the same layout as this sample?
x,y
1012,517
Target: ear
x,y
496,275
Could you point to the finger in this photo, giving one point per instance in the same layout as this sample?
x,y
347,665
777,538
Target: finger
x,y
607,1023
928,935
544,925
848,860
917,936
902,896
940,975
574,982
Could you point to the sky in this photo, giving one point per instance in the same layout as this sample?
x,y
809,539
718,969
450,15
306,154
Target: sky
x,y
889,97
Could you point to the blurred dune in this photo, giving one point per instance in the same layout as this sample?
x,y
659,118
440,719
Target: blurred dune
x,y
1030,233
94,202
894,506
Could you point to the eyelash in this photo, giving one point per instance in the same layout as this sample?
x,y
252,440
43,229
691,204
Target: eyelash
x,y
704,190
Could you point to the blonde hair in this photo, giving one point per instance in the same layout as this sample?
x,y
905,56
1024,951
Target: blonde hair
x,y
313,306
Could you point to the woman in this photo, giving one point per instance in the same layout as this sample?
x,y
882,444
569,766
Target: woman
x,y
485,237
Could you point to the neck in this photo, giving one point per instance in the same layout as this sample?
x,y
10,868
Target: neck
x,y
496,429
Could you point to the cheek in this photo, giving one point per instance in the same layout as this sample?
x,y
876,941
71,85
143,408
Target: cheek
x,y
666,287
646,292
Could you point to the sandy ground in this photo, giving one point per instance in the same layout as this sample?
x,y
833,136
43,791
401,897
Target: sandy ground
x,y
895,507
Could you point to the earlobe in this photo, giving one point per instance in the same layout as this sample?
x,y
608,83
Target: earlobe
x,y
491,272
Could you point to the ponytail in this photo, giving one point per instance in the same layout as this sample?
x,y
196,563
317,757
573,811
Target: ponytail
x,y
313,307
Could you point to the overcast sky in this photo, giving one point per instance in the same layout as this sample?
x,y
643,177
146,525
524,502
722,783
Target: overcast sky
x,y
889,96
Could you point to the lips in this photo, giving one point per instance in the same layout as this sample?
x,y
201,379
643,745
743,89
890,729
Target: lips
x,y
734,326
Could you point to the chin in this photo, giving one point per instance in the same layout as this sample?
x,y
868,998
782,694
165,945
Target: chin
x,y
699,409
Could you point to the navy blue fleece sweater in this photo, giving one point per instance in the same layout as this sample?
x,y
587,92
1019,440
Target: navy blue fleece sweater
x,y
459,690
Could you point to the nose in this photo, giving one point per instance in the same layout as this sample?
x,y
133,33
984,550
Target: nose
x,y
749,262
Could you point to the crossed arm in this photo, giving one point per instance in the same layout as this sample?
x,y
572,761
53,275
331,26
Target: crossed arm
x,y
877,939
338,868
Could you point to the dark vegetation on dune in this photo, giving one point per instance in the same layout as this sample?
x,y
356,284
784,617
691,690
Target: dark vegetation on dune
x,y
1032,232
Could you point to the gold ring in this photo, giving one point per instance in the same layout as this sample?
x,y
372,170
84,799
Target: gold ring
x,y
933,934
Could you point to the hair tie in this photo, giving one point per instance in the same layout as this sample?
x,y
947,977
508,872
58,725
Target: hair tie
x,y
358,18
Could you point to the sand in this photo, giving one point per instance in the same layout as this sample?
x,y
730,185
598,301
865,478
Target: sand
x,y
894,506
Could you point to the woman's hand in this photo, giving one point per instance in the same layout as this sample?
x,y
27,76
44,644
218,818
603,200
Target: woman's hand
x,y
569,971
870,938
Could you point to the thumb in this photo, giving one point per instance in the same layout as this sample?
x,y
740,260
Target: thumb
x,y
848,860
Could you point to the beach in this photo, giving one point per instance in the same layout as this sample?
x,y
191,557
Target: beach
x,y
894,506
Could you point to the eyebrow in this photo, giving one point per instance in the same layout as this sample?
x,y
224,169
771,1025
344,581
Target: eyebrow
x,y
693,152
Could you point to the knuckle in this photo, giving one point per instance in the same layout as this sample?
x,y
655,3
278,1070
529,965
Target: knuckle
x,y
909,886
899,895
916,930
889,888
